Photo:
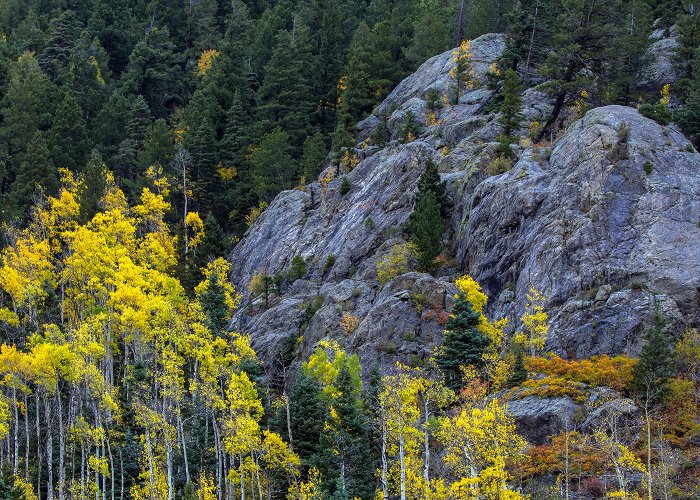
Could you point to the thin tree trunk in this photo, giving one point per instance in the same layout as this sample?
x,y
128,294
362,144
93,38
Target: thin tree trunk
x,y
532,42
15,462
26,435
49,450
184,445
426,444
38,444
61,447
385,464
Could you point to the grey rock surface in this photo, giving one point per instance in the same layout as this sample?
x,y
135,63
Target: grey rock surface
x,y
600,222
537,419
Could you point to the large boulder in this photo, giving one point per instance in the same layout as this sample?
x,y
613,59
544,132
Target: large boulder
x,y
605,225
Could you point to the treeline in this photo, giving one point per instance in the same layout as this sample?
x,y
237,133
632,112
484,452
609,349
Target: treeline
x,y
243,98
239,99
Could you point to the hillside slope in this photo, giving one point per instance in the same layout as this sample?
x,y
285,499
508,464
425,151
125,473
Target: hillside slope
x,y
599,221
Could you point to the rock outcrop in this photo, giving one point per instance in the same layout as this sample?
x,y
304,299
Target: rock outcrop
x,y
604,222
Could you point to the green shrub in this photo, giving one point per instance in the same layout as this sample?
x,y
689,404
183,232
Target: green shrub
x,y
648,167
344,187
369,223
657,112
297,270
330,261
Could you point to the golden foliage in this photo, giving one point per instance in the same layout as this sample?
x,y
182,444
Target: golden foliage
x,y
206,61
254,213
397,262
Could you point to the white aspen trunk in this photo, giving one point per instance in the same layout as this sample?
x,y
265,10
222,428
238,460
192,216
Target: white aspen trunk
x,y
184,445
648,422
26,435
15,462
289,422
149,452
426,439
402,462
61,448
38,445
49,450
257,477
242,481
169,462
111,466
385,463
121,473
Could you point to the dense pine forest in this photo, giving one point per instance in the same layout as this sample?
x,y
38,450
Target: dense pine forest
x,y
141,139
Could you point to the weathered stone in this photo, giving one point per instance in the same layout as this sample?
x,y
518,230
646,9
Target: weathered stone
x,y
596,223
537,419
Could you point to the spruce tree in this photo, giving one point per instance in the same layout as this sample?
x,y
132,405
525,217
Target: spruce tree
x,y
93,188
214,306
26,106
285,99
427,226
463,344
512,103
158,146
307,417
313,156
273,166
68,138
655,366
36,170
344,442
519,373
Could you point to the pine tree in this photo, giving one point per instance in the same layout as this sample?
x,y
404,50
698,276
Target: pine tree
x,y
285,98
344,442
273,166
36,170
307,417
427,226
512,103
463,344
93,188
655,366
519,373
68,138
214,306
313,156
688,25
158,146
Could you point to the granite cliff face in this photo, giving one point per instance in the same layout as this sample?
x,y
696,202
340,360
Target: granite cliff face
x,y
600,221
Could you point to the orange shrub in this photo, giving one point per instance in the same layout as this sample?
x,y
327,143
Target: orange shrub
x,y
551,458
595,371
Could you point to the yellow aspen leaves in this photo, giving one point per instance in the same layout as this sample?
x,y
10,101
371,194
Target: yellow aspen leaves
x,y
206,61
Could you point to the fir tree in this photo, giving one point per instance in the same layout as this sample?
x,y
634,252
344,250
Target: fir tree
x,y
512,103
655,366
36,170
93,188
214,306
273,166
427,226
312,158
463,344
307,417
68,137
